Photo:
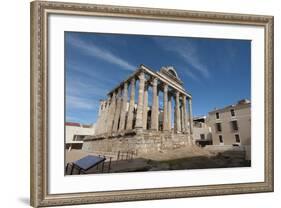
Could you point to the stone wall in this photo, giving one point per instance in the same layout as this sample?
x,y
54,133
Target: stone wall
x,y
144,142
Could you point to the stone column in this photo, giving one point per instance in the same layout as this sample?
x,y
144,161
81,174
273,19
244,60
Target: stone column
x,y
100,109
98,119
175,116
165,110
102,117
185,121
145,103
105,119
130,118
178,122
190,116
181,118
111,112
101,127
139,118
117,111
155,108
124,107
169,112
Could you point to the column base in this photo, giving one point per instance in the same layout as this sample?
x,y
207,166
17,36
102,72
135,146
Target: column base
x,y
153,129
139,129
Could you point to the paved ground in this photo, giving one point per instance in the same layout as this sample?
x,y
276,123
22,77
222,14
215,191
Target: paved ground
x,y
177,159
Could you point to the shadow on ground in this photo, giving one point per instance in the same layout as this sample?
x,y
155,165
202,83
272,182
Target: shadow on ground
x,y
225,159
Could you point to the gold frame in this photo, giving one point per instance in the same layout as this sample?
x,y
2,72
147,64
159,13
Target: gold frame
x,y
39,103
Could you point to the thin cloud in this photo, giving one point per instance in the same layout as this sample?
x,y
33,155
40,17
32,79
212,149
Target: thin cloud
x,y
91,74
91,49
75,87
192,75
187,50
75,102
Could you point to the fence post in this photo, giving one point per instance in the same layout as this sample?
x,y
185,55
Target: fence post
x,y
118,155
66,168
102,166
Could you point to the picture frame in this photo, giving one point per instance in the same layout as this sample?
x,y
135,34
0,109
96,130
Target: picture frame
x,y
40,86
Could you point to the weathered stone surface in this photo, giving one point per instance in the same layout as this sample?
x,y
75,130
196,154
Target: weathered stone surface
x,y
169,112
111,113
165,111
131,106
139,123
117,111
102,117
185,121
154,110
177,118
124,107
190,115
145,142
123,126
145,103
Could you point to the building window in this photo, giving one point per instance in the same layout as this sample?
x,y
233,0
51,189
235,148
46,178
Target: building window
x,y
202,136
217,115
220,138
234,125
237,138
232,112
218,127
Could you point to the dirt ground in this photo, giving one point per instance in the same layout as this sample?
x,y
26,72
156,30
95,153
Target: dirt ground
x,y
177,159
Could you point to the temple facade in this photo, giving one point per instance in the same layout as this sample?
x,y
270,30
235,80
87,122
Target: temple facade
x,y
127,120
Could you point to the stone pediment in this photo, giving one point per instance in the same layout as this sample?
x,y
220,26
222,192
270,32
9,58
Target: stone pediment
x,y
170,73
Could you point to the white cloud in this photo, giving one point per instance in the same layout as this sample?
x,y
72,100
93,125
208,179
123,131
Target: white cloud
x,y
192,75
77,87
92,74
93,50
75,102
188,51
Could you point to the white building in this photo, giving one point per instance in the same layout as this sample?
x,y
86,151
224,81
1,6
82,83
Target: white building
x,y
231,126
202,133
75,134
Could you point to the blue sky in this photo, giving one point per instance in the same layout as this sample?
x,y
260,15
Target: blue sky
x,y
217,72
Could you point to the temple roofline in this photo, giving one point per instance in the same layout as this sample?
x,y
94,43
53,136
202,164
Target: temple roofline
x,y
157,75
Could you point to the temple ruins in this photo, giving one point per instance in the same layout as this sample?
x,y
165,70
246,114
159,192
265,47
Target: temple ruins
x,y
127,122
